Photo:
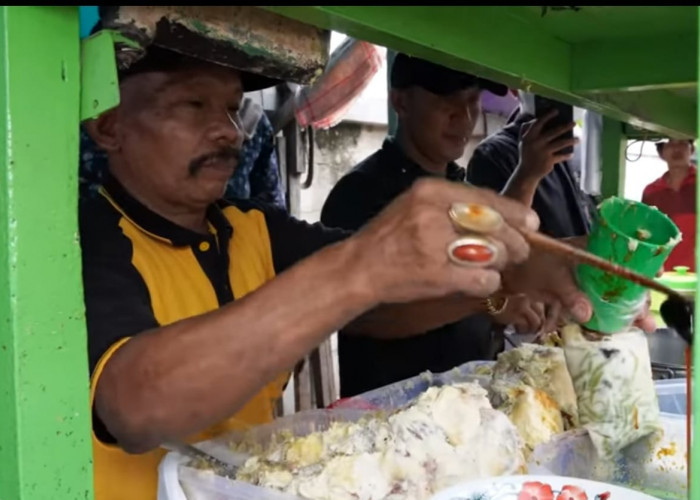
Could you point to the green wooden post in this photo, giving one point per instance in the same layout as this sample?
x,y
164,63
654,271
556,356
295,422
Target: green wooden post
x,y
694,475
45,448
613,157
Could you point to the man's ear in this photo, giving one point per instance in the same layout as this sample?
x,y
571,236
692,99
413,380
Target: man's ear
x,y
399,101
103,130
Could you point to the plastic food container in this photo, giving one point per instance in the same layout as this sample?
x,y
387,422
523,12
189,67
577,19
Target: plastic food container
x,y
177,481
658,470
655,466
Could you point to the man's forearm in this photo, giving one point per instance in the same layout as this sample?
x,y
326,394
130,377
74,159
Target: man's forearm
x,y
521,187
405,320
177,380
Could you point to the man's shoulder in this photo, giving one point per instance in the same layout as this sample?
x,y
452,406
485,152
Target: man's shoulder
x,y
104,244
494,159
244,214
252,206
362,179
360,194
499,143
371,166
99,220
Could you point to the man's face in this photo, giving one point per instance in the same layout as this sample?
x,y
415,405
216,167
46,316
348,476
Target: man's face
x,y
176,137
441,125
677,151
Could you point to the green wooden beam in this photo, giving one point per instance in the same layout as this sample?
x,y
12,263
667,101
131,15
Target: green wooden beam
x,y
635,64
500,43
659,111
613,143
466,35
45,417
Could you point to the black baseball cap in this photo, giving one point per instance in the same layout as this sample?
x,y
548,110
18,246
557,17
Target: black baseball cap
x,y
158,58
408,71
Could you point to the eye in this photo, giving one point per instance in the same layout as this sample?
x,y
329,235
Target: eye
x,y
195,103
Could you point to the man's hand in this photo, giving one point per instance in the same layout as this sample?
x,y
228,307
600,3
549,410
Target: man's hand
x,y
539,148
645,321
402,253
525,315
550,278
538,155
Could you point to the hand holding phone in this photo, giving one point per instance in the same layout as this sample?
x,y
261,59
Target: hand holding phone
x,y
563,116
545,142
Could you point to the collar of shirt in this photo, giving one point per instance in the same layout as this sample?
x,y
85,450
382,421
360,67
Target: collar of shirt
x,y
688,179
156,225
406,166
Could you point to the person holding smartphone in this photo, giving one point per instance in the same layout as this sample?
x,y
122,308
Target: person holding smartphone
x,y
437,108
528,160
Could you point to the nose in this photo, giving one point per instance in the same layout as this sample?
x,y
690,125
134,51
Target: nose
x,y
225,129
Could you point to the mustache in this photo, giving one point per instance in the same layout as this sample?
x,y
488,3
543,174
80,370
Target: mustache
x,y
227,153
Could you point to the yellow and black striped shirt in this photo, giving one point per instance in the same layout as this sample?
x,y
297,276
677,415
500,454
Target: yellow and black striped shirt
x,y
141,271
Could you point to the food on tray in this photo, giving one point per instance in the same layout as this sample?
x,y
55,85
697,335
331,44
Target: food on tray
x,y
536,416
542,368
457,431
617,400
447,435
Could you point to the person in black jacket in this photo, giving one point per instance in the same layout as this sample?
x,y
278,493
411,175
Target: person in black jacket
x,y
437,109
547,183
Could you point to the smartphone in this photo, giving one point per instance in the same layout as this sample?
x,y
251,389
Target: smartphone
x,y
564,116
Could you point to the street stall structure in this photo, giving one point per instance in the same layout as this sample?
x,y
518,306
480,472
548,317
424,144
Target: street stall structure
x,y
636,66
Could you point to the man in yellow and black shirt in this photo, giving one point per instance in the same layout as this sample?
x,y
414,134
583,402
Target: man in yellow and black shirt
x,y
197,309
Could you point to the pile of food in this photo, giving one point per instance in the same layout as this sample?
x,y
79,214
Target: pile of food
x,y
447,435
612,378
462,431
603,386
532,386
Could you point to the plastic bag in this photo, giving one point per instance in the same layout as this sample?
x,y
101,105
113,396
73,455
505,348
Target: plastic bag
x,y
350,69
179,481
614,387
399,394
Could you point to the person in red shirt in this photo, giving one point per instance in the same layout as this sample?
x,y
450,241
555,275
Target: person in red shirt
x,y
674,194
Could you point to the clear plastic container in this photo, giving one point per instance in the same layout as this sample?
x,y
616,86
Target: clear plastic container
x,y
672,396
659,470
178,481
655,465
394,396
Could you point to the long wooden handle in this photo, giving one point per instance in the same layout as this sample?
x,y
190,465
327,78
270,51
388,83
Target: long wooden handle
x,y
544,242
